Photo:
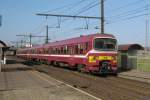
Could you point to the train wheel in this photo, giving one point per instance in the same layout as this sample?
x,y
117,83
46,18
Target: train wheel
x,y
80,67
55,63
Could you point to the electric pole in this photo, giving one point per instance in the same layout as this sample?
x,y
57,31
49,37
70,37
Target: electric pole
x,y
46,41
102,16
146,30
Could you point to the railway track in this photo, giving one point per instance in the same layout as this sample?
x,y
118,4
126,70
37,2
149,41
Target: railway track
x,y
107,88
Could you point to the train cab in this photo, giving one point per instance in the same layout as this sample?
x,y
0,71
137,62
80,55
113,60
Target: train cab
x,y
103,56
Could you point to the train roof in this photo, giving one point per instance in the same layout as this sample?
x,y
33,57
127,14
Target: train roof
x,y
82,38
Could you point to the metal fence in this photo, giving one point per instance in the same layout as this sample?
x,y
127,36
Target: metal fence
x,y
143,61
140,61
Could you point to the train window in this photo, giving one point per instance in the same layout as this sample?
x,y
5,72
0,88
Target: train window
x,y
52,51
49,50
73,49
105,44
76,49
86,46
56,51
69,49
59,50
62,50
46,50
81,49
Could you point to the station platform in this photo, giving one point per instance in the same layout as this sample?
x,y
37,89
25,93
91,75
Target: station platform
x,y
19,82
136,75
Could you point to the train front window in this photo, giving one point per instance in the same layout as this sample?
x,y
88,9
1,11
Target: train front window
x,y
105,44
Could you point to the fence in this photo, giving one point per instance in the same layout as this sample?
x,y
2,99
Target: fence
x,y
139,60
143,61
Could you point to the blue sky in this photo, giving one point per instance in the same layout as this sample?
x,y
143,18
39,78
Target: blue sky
x,y
19,18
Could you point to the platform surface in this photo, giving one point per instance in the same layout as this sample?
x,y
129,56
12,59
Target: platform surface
x,y
18,82
136,75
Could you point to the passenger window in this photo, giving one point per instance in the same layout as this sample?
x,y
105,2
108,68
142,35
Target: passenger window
x,y
86,46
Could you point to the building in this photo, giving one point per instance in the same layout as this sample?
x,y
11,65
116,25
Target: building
x,y
3,48
127,56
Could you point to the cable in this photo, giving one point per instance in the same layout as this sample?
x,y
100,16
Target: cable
x,y
127,5
88,7
129,18
129,13
66,6
84,10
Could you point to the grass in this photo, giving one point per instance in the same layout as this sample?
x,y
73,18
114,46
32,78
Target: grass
x,y
144,66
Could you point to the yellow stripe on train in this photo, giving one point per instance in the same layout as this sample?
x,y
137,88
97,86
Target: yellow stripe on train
x,y
104,58
93,58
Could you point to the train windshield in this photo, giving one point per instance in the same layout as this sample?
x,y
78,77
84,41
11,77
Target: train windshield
x,y
105,44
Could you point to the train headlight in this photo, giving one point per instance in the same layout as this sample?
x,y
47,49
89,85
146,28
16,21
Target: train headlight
x,y
92,59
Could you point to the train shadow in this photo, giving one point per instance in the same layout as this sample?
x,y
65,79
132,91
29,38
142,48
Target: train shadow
x,y
16,69
11,61
13,65
120,70
31,63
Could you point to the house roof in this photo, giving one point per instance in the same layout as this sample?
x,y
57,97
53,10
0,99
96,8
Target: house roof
x,y
127,47
2,44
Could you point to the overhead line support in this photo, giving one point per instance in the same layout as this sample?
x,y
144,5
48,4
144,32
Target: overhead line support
x,y
71,16
102,17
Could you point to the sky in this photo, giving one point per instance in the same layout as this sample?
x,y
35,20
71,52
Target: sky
x,y
125,19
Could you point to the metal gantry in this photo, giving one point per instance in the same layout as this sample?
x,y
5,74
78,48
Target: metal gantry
x,y
59,16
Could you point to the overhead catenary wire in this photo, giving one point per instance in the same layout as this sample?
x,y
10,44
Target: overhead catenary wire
x,y
129,18
69,6
85,8
127,5
128,13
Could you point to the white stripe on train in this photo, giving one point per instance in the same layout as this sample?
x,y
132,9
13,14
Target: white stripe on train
x,y
77,56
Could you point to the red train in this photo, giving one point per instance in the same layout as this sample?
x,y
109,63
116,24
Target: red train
x,y
90,53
